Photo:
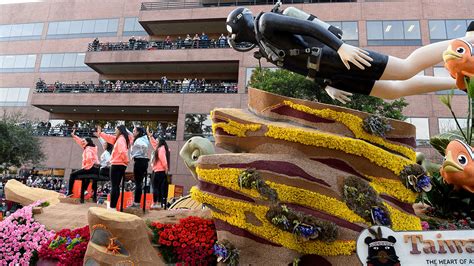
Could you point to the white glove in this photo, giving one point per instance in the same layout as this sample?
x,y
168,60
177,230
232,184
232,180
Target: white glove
x,y
335,94
355,55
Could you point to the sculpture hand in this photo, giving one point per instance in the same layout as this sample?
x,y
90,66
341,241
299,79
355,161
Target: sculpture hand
x,y
355,55
335,94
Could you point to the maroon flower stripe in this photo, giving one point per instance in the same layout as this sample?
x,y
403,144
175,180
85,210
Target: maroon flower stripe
x,y
313,259
221,132
327,217
339,165
402,205
222,191
279,167
407,141
288,111
223,226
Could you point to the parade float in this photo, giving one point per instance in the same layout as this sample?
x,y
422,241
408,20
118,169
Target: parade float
x,y
303,183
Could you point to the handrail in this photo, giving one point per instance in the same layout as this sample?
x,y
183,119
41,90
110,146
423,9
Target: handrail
x,y
83,132
157,45
164,4
136,88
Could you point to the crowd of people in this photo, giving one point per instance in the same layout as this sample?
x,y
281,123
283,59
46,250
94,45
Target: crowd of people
x,y
197,41
164,85
141,146
166,131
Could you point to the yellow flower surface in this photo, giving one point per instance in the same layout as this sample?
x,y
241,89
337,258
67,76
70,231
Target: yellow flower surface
x,y
228,177
392,188
235,215
354,124
234,128
402,221
348,145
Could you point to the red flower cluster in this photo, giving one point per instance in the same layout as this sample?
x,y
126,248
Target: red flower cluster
x,y
191,240
66,257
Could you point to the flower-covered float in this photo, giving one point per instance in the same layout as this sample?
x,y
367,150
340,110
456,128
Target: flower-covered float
x,y
306,178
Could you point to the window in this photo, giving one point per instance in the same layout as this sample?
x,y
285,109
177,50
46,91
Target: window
x,y
14,96
350,32
133,27
63,62
441,30
82,28
394,32
449,124
17,63
422,130
198,125
29,31
442,72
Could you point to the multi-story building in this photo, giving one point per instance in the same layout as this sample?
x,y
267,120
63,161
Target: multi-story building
x,y
53,41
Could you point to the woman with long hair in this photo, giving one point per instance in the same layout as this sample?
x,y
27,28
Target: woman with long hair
x,y
160,165
139,154
119,159
89,160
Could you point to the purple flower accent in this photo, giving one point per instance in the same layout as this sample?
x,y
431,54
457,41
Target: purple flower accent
x,y
379,216
423,183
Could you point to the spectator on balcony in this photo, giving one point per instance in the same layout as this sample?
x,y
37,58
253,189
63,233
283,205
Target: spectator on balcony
x,y
196,40
167,42
95,44
185,85
188,41
131,43
91,87
179,43
222,41
204,40
118,85
164,82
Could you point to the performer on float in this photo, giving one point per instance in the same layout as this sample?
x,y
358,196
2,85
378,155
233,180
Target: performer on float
x,y
119,160
160,164
139,153
299,42
105,158
90,160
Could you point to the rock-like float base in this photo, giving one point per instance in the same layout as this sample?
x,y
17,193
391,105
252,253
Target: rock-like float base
x,y
313,159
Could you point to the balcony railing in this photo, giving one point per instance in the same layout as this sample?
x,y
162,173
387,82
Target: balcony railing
x,y
83,132
160,5
176,87
157,45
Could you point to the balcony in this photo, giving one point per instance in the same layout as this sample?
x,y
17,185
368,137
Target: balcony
x,y
174,86
110,59
161,5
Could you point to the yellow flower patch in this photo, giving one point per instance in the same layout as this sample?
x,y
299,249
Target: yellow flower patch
x,y
393,188
402,221
228,177
357,147
234,128
267,230
354,124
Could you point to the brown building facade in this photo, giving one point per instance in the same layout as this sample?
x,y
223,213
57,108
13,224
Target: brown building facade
x,y
51,40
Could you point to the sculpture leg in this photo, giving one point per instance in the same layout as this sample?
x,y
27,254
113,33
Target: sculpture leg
x,y
394,89
418,60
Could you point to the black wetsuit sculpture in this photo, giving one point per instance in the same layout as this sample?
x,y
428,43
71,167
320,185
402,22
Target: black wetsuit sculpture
x,y
304,46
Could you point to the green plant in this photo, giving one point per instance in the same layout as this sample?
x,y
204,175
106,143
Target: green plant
x,y
363,200
304,226
289,84
376,125
251,179
445,201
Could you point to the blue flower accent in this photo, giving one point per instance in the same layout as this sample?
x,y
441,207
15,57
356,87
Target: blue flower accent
x,y
69,240
379,216
423,183
220,251
306,231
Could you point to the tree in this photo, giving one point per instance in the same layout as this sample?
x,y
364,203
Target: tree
x,y
18,145
289,84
